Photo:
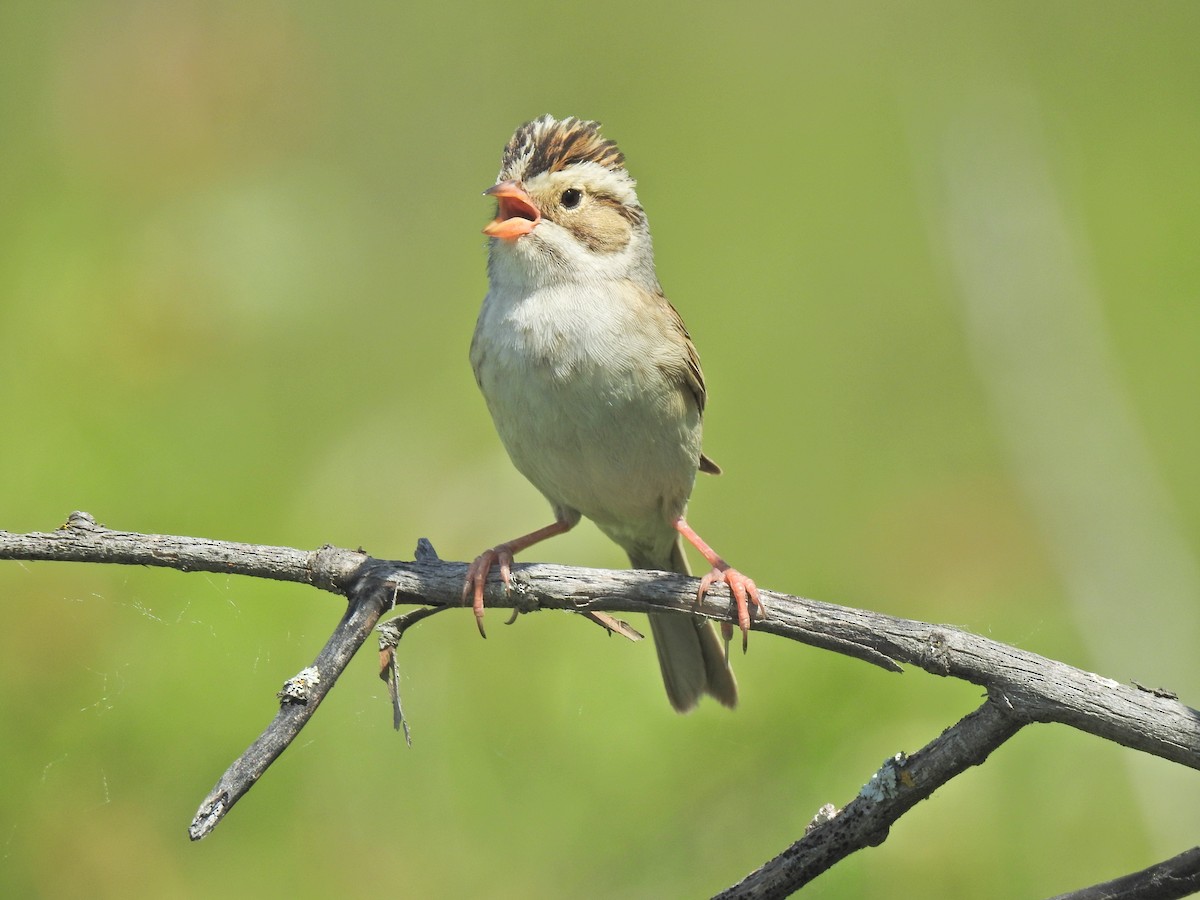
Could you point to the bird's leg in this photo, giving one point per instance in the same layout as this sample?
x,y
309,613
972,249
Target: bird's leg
x,y
743,589
477,572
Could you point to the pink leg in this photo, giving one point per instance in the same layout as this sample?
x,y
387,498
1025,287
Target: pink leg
x,y
743,589
477,572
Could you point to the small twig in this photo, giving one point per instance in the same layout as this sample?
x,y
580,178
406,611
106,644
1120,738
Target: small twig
x,y
613,625
902,782
1176,877
295,710
390,633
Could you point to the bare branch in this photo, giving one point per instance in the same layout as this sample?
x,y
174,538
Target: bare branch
x,y
1178,876
80,539
902,782
299,700
1036,688
1022,687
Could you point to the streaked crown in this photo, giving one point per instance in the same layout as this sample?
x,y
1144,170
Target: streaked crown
x,y
547,144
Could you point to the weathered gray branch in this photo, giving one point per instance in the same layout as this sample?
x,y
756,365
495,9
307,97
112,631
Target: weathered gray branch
x,y
1176,877
80,539
299,699
1022,687
902,782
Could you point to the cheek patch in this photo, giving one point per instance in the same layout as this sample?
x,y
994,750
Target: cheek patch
x,y
603,229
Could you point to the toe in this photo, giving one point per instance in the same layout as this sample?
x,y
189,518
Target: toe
x,y
477,574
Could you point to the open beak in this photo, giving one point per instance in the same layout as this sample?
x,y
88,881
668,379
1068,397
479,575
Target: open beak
x,y
515,213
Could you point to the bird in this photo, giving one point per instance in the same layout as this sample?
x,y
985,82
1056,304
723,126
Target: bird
x,y
594,384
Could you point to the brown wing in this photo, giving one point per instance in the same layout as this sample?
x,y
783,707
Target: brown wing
x,y
692,373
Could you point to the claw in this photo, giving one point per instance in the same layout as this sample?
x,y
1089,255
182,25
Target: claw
x,y
743,589
477,575
477,572
744,592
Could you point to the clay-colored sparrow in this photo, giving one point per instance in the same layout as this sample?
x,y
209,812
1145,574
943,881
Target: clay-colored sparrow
x,y
593,382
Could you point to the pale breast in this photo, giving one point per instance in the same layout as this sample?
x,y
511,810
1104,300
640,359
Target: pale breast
x,y
586,405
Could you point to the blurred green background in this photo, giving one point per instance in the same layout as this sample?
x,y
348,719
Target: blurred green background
x,y
940,260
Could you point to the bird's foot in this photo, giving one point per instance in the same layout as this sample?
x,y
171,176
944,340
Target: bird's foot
x,y
744,592
477,572
477,576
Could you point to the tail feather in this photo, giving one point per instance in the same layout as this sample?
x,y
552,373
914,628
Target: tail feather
x,y
690,654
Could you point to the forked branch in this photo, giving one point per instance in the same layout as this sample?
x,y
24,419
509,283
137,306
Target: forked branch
x,y
1022,687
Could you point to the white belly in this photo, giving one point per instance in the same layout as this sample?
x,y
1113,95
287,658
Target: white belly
x,y
587,414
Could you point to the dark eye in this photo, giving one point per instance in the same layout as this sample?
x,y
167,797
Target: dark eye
x,y
570,198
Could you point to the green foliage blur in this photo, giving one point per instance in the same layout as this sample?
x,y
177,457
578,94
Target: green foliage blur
x,y
240,263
